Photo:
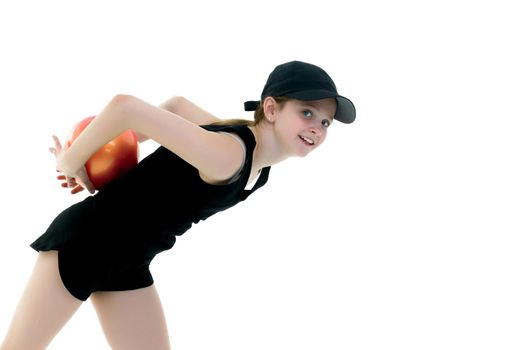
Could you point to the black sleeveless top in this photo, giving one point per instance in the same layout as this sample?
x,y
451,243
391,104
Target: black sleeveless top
x,y
162,196
165,192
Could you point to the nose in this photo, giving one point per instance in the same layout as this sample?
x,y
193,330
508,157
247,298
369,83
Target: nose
x,y
315,128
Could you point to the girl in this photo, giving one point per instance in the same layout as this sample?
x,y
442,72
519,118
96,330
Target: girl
x,y
101,247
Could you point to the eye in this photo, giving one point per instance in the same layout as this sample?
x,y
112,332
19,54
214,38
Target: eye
x,y
307,113
326,123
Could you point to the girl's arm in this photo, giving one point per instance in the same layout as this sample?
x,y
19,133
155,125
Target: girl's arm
x,y
217,156
187,110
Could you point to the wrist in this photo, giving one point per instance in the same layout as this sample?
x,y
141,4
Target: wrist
x,y
65,166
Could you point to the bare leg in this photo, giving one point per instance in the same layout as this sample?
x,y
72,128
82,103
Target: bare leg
x,y
132,320
44,308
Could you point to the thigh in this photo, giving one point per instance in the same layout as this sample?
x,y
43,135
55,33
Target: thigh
x,y
132,319
44,308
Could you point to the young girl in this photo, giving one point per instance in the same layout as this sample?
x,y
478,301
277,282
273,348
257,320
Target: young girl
x,y
101,247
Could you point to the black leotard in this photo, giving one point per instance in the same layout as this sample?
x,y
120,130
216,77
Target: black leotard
x,y
107,241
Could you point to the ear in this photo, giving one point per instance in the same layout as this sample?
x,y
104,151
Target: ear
x,y
270,108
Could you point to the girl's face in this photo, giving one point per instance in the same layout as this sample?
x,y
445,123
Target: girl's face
x,y
302,126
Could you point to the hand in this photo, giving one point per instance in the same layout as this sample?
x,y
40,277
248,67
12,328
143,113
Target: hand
x,y
76,183
78,180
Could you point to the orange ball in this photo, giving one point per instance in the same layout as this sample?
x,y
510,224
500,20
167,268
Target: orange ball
x,y
112,160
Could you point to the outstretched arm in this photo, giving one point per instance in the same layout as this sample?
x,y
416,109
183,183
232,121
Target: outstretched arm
x,y
187,110
215,155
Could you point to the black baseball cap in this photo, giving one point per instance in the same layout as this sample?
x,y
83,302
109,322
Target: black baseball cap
x,y
306,82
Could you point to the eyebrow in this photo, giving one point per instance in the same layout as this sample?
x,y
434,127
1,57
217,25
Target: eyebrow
x,y
312,106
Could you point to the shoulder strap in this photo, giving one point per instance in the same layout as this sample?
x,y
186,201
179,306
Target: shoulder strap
x,y
247,136
242,130
261,181
244,133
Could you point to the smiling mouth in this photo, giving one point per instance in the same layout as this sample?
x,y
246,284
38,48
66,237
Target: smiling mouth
x,y
307,141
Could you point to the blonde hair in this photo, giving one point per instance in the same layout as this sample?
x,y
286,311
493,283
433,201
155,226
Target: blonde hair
x,y
258,115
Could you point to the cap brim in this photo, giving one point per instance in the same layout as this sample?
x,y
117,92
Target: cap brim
x,y
345,108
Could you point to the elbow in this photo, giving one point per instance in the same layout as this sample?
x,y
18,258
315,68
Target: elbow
x,y
177,99
124,109
172,103
120,100
118,114
120,105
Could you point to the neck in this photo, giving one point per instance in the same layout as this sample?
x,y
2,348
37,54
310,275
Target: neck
x,y
267,152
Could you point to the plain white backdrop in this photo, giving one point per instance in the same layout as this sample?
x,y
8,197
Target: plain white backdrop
x,y
404,231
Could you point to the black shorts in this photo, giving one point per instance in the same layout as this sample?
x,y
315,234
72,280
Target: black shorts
x,y
101,251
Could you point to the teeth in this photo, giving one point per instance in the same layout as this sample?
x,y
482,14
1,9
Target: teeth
x,y
310,141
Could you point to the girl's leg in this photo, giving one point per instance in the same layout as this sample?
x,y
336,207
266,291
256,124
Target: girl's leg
x,y
133,319
44,308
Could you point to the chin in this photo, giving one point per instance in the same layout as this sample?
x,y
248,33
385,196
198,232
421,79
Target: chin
x,y
303,153
300,150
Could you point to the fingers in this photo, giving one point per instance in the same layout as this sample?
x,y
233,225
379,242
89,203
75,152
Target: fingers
x,y
71,182
89,186
58,146
81,180
77,189
78,183
86,182
67,184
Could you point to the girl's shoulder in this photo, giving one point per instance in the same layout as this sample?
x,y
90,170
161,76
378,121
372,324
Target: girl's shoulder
x,y
243,131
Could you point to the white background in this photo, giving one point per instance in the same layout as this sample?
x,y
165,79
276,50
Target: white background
x,y
404,231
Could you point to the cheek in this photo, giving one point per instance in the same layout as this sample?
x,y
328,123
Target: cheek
x,y
322,138
286,129
282,133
